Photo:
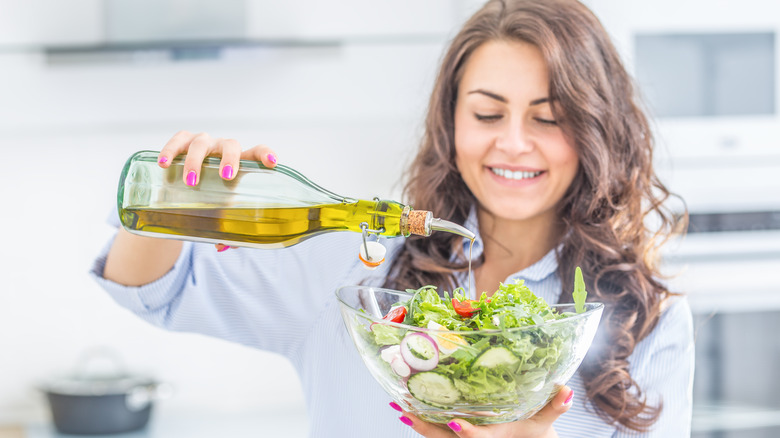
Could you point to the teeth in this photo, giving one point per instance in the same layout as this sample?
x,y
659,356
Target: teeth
x,y
514,175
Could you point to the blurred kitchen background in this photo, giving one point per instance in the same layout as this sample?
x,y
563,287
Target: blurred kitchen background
x,y
339,89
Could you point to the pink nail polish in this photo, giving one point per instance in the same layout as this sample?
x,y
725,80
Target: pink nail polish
x,y
192,178
395,406
224,248
454,426
163,160
272,158
569,399
227,172
405,420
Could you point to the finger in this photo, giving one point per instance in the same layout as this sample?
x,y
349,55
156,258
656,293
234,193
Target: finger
x,y
428,430
221,247
200,146
555,408
231,155
261,153
177,145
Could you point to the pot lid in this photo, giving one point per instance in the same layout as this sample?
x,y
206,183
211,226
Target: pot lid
x,y
99,371
96,385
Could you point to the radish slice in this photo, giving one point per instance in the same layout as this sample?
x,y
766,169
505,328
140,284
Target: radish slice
x,y
420,351
390,353
400,367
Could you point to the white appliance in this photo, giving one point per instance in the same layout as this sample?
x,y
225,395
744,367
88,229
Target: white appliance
x,y
709,70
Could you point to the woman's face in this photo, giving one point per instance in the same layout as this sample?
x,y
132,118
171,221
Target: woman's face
x,y
510,150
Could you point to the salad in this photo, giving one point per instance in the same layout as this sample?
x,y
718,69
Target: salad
x,y
449,364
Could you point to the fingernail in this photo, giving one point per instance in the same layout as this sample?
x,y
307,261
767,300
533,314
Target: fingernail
x,y
395,406
405,420
454,426
227,172
192,178
272,158
569,399
224,248
163,160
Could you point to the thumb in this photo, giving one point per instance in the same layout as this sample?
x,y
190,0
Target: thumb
x,y
556,407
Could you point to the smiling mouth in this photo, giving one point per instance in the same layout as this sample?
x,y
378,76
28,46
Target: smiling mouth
x,y
514,175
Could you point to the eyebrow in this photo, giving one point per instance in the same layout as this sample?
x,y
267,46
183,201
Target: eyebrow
x,y
503,99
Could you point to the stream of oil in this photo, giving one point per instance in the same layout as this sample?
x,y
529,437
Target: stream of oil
x,y
471,273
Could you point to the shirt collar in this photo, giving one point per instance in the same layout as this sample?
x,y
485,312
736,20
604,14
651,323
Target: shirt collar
x,y
540,270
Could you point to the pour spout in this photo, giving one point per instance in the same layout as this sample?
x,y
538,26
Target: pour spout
x,y
451,227
422,223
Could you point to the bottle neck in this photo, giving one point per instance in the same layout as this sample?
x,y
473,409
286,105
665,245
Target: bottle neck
x,y
422,223
416,222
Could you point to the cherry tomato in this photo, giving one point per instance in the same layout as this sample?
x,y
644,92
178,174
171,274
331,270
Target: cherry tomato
x,y
396,315
464,308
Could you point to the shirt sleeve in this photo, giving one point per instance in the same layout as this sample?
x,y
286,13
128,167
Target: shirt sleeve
x,y
267,299
662,365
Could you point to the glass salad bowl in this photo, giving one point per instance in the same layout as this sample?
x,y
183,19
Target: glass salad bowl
x,y
484,376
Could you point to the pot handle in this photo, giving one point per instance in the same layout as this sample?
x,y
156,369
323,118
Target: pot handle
x,y
140,397
91,359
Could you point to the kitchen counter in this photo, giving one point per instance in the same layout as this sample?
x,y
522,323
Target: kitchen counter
x,y
11,432
190,425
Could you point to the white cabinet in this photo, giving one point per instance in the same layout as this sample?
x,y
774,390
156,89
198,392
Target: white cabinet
x,y
350,18
75,23
33,23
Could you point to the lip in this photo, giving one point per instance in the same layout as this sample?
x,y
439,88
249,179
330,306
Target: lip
x,y
513,168
512,182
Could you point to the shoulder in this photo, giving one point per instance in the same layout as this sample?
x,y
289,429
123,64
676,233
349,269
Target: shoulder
x,y
676,317
670,341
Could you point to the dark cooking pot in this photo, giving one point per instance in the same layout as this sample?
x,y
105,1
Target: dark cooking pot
x,y
87,403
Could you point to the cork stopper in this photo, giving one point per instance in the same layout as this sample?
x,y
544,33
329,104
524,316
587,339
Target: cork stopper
x,y
419,222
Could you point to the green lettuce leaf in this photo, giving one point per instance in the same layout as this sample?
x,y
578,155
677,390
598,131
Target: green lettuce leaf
x,y
579,293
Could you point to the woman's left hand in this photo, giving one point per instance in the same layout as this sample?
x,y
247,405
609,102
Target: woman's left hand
x,y
538,426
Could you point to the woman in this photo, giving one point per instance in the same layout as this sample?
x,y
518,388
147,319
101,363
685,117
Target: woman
x,y
533,140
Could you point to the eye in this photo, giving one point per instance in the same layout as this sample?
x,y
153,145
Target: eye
x,y
546,121
488,117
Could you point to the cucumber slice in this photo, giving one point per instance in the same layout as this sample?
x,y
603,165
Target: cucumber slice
x,y
434,389
496,356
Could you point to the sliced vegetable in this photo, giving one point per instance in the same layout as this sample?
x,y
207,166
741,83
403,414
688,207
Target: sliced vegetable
x,y
390,353
494,357
396,314
434,389
400,367
420,351
464,308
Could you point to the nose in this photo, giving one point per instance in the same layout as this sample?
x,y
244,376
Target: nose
x,y
515,139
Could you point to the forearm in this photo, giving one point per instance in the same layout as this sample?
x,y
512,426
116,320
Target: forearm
x,y
135,260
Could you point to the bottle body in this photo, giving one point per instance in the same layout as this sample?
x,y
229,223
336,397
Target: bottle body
x,y
260,207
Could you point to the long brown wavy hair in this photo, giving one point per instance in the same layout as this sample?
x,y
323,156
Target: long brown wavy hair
x,y
615,211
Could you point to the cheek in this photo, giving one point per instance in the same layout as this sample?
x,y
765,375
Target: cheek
x,y
569,162
462,142
469,139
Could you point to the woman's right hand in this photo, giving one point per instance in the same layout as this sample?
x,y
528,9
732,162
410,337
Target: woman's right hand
x,y
199,146
136,260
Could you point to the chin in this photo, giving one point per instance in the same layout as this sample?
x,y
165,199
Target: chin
x,y
516,211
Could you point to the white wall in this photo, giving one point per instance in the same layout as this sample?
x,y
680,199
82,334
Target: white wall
x,y
348,117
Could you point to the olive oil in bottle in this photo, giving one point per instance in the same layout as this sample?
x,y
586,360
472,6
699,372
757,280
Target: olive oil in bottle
x,y
260,207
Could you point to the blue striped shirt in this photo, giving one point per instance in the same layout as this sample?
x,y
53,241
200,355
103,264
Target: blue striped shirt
x,y
283,301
